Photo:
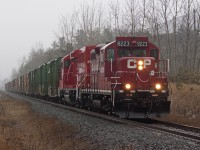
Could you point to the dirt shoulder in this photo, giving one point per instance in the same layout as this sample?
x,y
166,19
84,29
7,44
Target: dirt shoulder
x,y
21,128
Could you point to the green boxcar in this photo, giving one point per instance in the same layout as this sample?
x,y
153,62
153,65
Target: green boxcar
x,y
43,88
40,84
26,83
36,81
53,70
30,78
21,84
33,81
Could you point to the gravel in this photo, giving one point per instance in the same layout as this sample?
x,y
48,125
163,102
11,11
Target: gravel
x,y
112,136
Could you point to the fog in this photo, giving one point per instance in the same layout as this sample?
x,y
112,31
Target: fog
x,y
24,23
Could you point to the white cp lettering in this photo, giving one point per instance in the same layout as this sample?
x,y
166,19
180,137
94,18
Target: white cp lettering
x,y
147,62
132,63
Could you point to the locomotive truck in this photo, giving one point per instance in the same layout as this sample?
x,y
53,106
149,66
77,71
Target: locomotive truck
x,y
125,78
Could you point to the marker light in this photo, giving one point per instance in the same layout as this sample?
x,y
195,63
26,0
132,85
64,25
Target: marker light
x,y
158,86
128,86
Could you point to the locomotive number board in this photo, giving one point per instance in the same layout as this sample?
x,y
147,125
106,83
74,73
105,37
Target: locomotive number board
x,y
132,42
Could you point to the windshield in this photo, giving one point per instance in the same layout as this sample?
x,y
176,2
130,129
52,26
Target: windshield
x,y
132,53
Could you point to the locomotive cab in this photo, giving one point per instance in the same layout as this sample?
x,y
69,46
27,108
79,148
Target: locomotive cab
x,y
141,87
68,78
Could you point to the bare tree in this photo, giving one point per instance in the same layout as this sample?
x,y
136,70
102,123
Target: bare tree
x,y
196,38
166,13
68,27
144,15
152,15
22,64
91,22
174,35
130,15
14,74
115,13
187,6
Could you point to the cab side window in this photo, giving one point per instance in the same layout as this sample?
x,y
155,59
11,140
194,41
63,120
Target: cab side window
x,y
102,56
110,54
67,63
93,56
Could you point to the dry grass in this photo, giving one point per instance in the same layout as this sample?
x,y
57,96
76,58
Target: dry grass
x,y
185,107
21,128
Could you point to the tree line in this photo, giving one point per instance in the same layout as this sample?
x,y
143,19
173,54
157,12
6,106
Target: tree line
x,y
173,25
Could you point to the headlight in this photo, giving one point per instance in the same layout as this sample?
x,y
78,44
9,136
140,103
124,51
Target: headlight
x,y
140,62
127,86
158,86
140,67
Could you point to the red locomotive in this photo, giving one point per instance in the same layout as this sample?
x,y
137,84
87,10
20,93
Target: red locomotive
x,y
125,78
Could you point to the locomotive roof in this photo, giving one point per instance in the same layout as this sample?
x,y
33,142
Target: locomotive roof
x,y
71,53
83,48
108,45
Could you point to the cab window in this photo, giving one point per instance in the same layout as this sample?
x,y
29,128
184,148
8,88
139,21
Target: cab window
x,y
132,53
110,54
67,63
93,55
139,53
102,56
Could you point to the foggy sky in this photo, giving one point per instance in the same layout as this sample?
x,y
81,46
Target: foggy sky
x,y
24,23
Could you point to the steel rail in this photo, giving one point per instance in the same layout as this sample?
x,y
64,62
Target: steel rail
x,y
176,125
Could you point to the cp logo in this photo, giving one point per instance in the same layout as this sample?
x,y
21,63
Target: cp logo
x,y
132,63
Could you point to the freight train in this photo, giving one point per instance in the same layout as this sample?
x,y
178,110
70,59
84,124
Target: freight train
x,y
125,78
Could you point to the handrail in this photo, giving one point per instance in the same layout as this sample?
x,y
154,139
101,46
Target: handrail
x,y
141,79
165,64
81,81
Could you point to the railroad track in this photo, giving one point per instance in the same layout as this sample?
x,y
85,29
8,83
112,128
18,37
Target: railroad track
x,y
175,129
157,122
177,126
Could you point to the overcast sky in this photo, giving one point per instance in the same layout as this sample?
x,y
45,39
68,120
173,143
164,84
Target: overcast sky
x,y
24,23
